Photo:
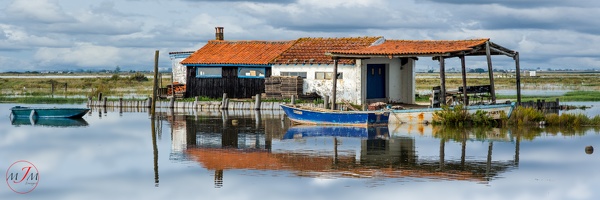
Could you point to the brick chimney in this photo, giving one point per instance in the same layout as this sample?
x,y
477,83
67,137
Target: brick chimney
x,y
219,33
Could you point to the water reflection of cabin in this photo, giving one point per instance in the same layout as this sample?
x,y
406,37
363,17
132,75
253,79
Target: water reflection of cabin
x,y
218,145
370,68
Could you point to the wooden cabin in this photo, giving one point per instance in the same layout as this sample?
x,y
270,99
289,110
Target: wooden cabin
x,y
357,70
237,68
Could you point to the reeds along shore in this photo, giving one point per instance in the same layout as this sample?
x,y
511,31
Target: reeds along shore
x,y
520,117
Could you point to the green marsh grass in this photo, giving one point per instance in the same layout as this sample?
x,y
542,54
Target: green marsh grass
x,y
42,100
457,116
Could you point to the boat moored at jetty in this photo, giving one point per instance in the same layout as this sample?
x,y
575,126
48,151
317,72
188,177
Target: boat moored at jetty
x,y
320,116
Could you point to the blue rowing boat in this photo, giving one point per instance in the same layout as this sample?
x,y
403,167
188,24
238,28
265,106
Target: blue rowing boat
x,y
319,116
23,112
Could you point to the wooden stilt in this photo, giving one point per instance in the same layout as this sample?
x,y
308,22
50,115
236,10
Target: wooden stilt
x,y
155,85
442,81
490,71
334,79
518,70
464,80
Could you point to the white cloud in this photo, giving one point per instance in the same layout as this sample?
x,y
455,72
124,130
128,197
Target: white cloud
x,y
81,54
545,33
340,3
41,11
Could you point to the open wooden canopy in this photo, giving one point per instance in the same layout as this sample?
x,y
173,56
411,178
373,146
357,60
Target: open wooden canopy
x,y
437,50
426,48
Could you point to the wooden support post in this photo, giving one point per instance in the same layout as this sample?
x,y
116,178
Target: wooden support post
x,y
257,102
99,96
52,85
155,85
223,102
104,102
334,79
195,106
557,104
326,102
543,104
464,80
172,102
149,102
121,106
172,85
490,71
293,100
518,69
442,81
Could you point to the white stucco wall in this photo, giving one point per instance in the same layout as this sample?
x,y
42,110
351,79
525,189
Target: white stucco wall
x,y
400,83
179,70
348,88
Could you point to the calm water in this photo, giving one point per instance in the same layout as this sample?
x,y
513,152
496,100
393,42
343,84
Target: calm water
x,y
248,155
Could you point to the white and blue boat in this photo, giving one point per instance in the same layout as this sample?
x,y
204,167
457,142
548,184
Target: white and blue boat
x,y
426,115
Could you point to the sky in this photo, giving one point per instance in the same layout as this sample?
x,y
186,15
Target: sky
x,y
46,35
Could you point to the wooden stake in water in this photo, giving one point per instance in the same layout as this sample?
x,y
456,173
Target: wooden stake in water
x,y
155,85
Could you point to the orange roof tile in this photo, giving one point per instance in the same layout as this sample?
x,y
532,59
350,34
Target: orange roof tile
x,y
312,50
416,47
238,52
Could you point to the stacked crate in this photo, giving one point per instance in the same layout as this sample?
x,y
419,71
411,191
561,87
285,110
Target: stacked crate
x,y
273,87
283,87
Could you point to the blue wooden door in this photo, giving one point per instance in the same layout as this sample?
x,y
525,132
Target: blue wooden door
x,y
375,81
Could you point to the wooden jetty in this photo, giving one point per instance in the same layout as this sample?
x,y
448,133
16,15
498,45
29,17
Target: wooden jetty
x,y
543,105
197,105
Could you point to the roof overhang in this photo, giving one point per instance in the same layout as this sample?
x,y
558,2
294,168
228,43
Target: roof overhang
x,y
477,50
227,65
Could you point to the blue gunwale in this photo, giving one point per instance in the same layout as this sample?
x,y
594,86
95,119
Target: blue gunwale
x,y
305,115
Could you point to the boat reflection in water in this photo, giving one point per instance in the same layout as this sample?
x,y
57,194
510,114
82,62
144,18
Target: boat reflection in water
x,y
330,151
49,122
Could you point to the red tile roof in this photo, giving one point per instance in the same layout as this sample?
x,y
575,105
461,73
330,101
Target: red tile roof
x,y
416,47
238,52
312,50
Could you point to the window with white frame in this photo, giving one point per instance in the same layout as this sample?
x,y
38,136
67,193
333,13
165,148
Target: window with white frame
x,y
300,74
209,72
327,75
248,72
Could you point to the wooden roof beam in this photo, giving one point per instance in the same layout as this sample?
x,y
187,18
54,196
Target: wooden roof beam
x,y
502,52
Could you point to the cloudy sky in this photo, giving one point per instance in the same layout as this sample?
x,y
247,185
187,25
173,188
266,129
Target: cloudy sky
x,y
103,34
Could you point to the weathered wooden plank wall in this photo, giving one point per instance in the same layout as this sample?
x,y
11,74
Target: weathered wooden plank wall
x,y
230,83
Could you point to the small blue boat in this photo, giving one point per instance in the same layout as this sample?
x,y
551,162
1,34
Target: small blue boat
x,y
30,112
319,116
